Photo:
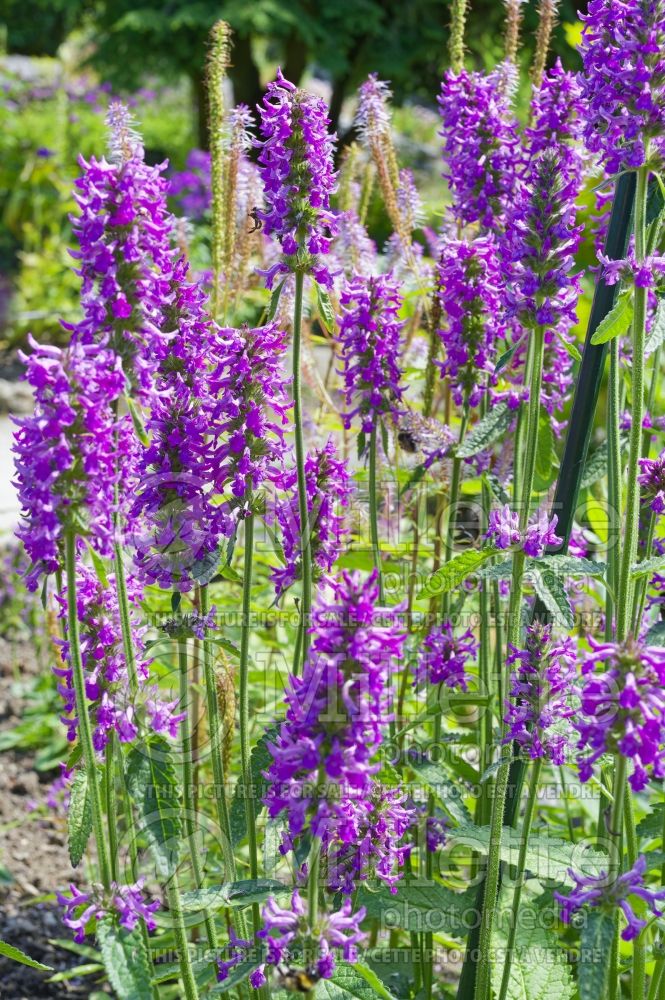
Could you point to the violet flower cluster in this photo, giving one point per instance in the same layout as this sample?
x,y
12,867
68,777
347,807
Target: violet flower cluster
x,y
469,293
443,657
174,521
128,903
542,685
296,164
652,481
479,146
66,452
602,891
112,707
249,387
623,708
125,256
323,765
556,122
623,80
504,531
369,344
328,492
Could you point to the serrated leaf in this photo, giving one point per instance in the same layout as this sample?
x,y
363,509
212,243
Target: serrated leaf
x,y
412,906
547,857
125,960
378,988
651,827
550,590
616,322
505,358
596,940
242,893
656,635
500,571
79,818
203,570
571,349
353,982
455,572
539,970
326,311
656,336
564,565
16,955
647,567
448,792
596,466
153,787
274,301
497,489
260,759
486,431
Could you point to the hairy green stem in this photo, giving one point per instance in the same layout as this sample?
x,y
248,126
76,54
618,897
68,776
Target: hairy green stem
x,y
245,759
613,484
629,553
531,803
305,545
374,513
84,728
482,991
189,807
180,931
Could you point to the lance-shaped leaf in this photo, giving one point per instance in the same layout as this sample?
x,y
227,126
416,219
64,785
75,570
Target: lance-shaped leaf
x,y
79,817
486,431
648,566
125,959
242,893
617,321
596,942
418,907
153,787
551,591
16,955
455,572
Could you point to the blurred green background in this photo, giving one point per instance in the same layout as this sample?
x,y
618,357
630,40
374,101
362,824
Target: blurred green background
x,y
61,61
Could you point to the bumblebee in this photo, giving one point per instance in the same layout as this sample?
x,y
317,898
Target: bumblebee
x,y
297,980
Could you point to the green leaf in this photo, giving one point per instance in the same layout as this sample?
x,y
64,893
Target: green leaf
x,y
448,792
551,591
137,421
546,458
412,907
547,857
596,940
125,960
505,358
203,570
98,566
647,567
16,955
486,431
455,572
596,466
617,321
260,759
361,443
656,634
153,787
326,311
79,817
656,336
497,489
233,894
352,982
571,349
417,475
564,565
274,301
539,970
651,827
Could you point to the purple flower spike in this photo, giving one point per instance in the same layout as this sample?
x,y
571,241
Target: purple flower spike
x,y
128,901
296,165
369,339
600,890
336,712
540,534
479,146
469,282
328,493
443,657
556,113
623,708
504,528
541,687
66,451
623,80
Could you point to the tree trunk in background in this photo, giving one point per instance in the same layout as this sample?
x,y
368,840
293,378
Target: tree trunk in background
x,y
244,73
200,96
295,59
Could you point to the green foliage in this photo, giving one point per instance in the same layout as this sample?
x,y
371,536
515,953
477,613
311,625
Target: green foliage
x,y
596,939
79,817
125,960
153,787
